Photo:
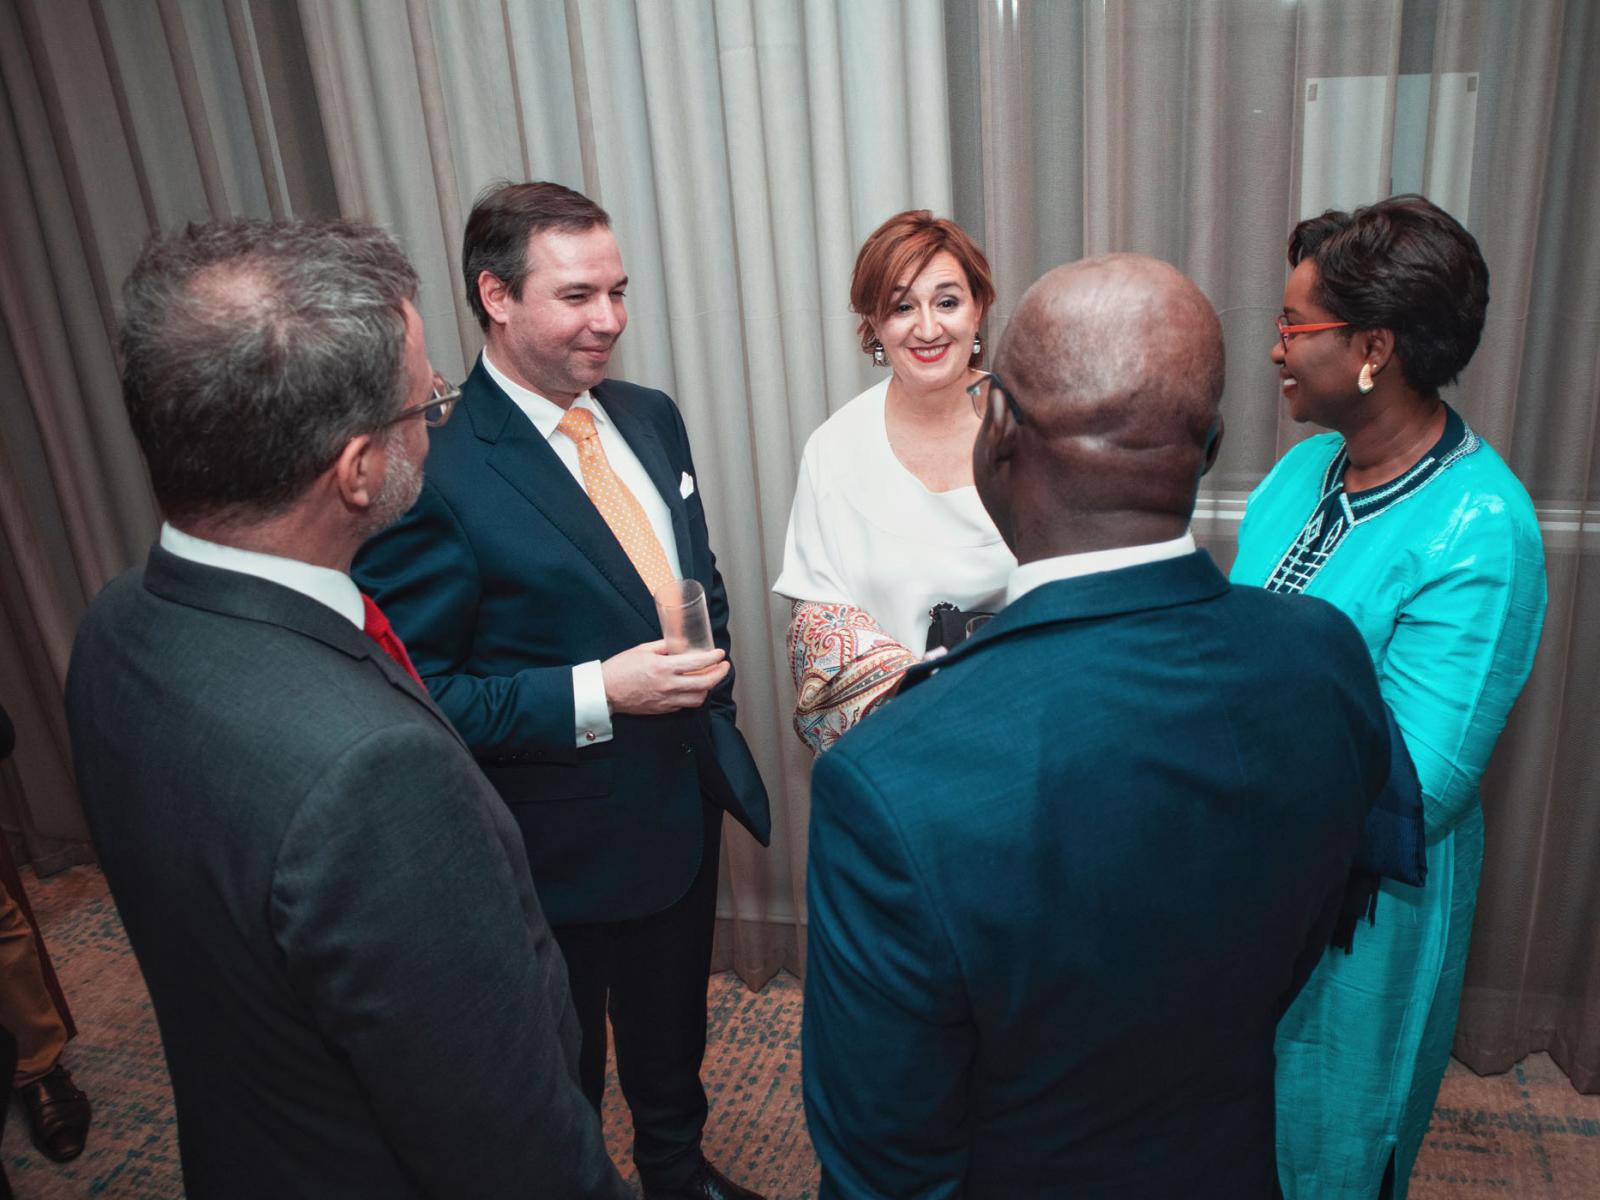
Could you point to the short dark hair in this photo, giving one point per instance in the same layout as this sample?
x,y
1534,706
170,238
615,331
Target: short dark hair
x,y
503,217
1405,265
900,248
252,351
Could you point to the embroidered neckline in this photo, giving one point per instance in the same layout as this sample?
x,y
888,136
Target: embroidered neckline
x,y
1337,511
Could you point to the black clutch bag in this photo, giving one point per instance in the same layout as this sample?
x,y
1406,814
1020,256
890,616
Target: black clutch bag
x,y
949,626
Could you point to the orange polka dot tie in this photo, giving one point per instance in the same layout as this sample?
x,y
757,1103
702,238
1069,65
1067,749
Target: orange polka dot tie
x,y
619,506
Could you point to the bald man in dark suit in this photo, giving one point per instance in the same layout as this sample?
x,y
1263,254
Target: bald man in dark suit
x,y
1062,888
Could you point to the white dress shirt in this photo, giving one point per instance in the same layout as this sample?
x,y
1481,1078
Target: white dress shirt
x,y
322,584
591,713
1070,566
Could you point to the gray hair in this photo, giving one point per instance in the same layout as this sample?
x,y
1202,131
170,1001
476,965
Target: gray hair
x,y
252,351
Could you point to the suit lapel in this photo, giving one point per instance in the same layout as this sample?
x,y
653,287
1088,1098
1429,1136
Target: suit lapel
x,y
249,598
526,461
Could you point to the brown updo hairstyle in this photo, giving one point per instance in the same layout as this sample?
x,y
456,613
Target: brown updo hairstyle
x,y
899,249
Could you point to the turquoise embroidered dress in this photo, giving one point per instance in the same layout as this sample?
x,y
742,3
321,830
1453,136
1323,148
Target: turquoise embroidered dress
x,y
1442,570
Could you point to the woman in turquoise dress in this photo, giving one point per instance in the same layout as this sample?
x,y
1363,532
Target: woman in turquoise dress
x,y
1410,523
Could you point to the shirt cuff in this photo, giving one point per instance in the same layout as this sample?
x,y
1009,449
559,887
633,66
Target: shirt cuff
x,y
590,711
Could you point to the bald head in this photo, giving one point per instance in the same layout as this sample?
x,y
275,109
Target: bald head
x,y
1116,365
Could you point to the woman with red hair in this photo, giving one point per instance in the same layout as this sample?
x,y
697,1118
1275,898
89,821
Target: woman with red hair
x,y
886,523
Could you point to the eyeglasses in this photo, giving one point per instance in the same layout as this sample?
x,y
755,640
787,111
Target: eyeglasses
x,y
979,391
1285,330
435,412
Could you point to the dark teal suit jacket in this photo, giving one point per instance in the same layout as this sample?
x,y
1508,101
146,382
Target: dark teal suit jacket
x,y
499,579
1063,886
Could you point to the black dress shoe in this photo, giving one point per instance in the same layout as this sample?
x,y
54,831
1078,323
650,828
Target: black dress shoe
x,y
58,1110
708,1184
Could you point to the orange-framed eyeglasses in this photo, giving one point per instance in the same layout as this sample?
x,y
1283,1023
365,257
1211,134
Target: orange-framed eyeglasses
x,y
1285,330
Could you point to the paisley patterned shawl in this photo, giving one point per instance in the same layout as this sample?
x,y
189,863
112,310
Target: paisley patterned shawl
x,y
844,666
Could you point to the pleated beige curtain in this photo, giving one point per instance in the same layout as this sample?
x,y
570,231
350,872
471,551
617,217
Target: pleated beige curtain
x,y
117,119
1187,132
1533,979
743,147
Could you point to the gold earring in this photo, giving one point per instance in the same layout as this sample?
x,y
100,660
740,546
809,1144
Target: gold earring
x,y
1364,382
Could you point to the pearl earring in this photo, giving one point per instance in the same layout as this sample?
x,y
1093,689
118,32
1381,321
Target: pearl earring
x,y
977,345
878,359
1364,382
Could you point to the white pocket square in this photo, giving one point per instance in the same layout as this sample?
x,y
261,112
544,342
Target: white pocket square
x,y
686,486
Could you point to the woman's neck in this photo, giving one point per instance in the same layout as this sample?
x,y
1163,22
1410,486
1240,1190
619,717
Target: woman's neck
x,y
934,405
1391,439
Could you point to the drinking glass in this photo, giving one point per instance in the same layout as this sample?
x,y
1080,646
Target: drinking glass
x,y
685,623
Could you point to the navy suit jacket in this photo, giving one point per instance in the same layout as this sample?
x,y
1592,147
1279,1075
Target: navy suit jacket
x,y
1062,888
499,579
356,987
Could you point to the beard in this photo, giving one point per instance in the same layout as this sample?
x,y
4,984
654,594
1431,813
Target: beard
x,y
402,484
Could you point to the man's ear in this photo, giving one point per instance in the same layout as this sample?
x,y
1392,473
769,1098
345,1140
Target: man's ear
x,y
357,473
1213,447
495,295
999,426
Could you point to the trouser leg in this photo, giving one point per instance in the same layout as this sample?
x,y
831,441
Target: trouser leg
x,y
586,949
26,1008
658,1015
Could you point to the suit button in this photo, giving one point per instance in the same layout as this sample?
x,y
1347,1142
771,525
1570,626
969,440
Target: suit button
x,y
686,748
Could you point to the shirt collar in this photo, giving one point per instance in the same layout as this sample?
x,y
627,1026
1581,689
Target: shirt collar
x,y
322,584
545,413
1070,566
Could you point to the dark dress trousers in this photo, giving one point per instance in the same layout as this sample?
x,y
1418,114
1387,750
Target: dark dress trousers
x,y
357,991
500,578
1063,886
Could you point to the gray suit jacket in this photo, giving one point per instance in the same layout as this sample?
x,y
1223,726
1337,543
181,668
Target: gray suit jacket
x,y
357,990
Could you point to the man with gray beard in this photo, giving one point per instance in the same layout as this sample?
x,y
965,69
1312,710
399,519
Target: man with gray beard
x,y
358,993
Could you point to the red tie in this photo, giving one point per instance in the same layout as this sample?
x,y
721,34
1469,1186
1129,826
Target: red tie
x,y
379,630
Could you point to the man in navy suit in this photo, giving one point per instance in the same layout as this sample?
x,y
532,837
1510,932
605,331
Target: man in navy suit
x,y
1062,888
519,583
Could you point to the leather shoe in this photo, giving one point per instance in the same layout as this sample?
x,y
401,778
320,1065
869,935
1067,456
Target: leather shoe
x,y
58,1111
708,1183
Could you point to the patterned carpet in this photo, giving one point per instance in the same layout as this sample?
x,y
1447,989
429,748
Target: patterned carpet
x,y
1525,1134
